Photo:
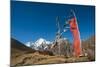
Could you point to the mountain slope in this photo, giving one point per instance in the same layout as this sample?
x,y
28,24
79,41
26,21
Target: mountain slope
x,y
17,48
20,51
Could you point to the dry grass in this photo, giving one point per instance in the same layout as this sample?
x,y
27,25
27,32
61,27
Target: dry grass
x,y
36,58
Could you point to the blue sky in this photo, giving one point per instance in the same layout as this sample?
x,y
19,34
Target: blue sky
x,y
33,20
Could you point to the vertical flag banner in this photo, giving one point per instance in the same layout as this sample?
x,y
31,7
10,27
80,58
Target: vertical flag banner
x,y
76,34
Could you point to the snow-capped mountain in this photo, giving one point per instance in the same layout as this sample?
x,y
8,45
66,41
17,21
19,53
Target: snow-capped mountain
x,y
40,44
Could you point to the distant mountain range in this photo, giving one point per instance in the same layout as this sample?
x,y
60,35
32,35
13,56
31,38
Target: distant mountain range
x,y
57,47
19,48
40,44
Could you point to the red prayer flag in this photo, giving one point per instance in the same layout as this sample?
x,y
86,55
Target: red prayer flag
x,y
76,36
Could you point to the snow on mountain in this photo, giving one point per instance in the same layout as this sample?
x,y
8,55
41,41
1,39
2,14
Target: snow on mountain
x,y
40,44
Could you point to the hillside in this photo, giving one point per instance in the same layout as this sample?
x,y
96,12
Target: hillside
x,y
19,50
23,55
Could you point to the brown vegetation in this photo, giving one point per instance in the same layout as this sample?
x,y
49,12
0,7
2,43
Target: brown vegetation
x,y
22,55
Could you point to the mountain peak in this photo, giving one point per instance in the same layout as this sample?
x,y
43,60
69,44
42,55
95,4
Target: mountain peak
x,y
41,43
